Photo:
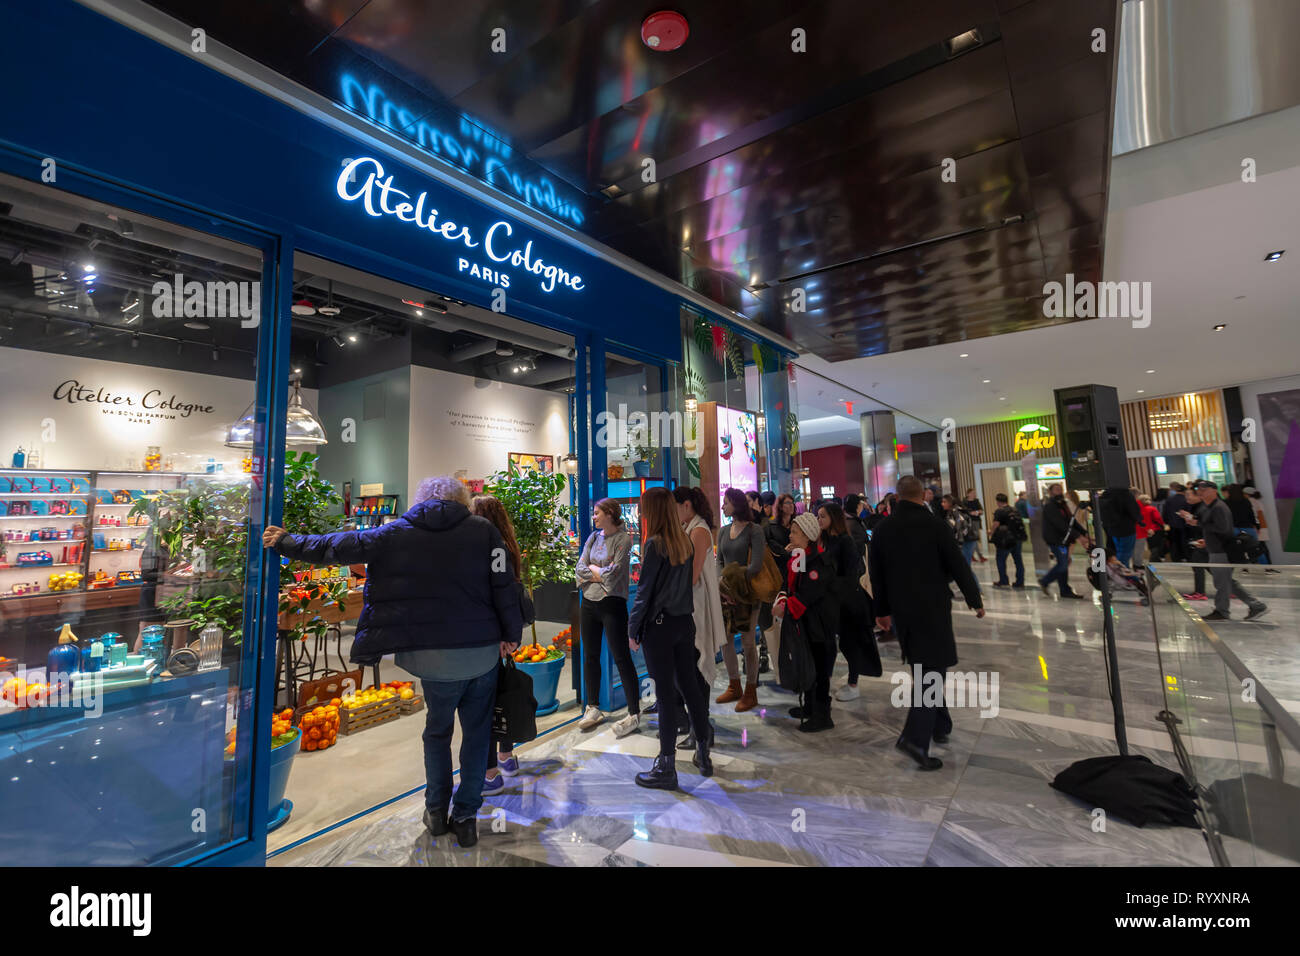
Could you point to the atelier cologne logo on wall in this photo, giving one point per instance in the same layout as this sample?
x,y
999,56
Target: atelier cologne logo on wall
x,y
1033,438
364,179
478,152
153,404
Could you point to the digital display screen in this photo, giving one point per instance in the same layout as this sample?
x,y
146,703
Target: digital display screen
x,y
737,450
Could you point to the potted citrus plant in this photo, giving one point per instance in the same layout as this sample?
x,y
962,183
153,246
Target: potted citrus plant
x,y
541,525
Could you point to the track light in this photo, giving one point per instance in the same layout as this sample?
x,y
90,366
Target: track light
x,y
216,354
18,257
504,349
336,340
135,341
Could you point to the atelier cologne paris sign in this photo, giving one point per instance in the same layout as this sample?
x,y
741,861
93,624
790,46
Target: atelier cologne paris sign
x,y
150,405
490,251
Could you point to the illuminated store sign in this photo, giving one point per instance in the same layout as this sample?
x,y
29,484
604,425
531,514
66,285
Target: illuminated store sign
x,y
1033,438
364,179
479,152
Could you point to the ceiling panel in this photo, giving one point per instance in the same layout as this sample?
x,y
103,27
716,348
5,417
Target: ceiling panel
x,y
775,169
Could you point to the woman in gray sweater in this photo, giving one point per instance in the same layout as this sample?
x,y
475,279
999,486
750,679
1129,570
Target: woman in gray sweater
x,y
740,557
603,571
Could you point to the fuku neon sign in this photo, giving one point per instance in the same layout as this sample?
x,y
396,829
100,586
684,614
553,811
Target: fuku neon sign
x,y
470,152
364,179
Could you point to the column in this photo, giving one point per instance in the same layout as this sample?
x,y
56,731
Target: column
x,y
879,464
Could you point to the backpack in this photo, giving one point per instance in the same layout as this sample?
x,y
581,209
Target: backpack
x,y
1016,525
1243,549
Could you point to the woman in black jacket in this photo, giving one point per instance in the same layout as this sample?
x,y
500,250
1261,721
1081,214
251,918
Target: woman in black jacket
x,y
663,620
852,605
808,612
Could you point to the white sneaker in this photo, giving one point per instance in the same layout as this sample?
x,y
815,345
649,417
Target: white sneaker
x,y
591,718
628,725
847,692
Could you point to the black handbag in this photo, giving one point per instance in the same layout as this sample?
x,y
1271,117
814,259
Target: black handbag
x,y
514,716
795,666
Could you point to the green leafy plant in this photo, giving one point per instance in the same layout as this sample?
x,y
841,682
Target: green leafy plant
x,y
204,526
642,448
541,524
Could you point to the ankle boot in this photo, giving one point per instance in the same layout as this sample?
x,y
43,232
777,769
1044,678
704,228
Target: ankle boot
x,y
661,776
701,760
749,699
731,693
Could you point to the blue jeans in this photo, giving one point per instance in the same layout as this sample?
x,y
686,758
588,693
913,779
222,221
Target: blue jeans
x,y
473,699
1060,570
1124,546
1014,551
968,550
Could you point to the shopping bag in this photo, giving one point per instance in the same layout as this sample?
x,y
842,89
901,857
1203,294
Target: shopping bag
x,y
514,716
767,582
795,665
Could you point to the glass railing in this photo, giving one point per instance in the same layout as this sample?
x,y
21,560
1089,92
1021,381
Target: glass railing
x,y
1231,699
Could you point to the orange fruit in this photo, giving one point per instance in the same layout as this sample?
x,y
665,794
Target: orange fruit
x,y
309,745
335,701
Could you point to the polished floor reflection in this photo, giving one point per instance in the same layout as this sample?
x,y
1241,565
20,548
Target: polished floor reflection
x,y
846,796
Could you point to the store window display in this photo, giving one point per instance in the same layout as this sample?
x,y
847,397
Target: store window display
x,y
129,347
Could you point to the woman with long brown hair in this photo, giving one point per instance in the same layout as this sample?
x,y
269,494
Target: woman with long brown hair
x,y
740,559
662,621
501,760
696,516
603,573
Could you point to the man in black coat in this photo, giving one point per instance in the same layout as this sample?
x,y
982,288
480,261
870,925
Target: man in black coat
x,y
1056,529
912,557
441,595
1169,508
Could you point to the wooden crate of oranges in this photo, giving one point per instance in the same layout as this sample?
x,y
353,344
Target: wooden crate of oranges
x,y
319,725
369,708
564,640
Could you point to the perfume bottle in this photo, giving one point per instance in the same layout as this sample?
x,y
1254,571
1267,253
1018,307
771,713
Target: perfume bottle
x,y
33,458
19,458
64,659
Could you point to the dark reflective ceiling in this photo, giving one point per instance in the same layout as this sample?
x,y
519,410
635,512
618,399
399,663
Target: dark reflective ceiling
x,y
780,176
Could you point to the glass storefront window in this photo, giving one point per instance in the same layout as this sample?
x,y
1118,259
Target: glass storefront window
x,y
129,348
406,384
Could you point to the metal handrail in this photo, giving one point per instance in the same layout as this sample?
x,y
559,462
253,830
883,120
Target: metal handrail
x,y
1281,718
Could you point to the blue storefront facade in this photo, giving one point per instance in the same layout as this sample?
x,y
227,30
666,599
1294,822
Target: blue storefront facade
x,y
117,119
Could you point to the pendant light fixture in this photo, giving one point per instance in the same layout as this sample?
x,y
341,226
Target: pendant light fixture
x,y
303,429
330,308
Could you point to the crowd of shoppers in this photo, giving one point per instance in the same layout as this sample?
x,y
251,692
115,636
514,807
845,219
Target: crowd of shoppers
x,y
842,571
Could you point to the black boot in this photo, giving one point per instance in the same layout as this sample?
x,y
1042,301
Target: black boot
x,y
466,832
436,825
662,776
923,760
701,760
688,742
820,720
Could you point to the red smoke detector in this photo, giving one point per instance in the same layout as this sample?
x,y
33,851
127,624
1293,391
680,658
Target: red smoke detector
x,y
665,31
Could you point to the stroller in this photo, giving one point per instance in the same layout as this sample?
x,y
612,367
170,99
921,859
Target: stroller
x,y
1121,577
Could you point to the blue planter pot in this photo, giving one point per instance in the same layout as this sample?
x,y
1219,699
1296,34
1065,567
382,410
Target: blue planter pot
x,y
281,764
546,683
641,469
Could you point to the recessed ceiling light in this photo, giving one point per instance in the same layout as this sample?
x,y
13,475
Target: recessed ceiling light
x,y
1002,398
1151,371
965,355
1142,391
986,381
1220,327
89,268
1274,256
352,338
297,371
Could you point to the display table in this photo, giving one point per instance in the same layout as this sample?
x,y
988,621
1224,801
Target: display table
x,y
119,787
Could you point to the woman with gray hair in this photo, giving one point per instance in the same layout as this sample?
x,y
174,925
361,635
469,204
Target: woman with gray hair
x,y
441,596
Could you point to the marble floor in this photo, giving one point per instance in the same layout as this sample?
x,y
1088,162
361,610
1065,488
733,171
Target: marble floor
x,y
846,796
368,768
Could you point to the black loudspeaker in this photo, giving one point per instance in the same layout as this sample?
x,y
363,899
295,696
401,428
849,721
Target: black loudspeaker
x,y
1092,440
